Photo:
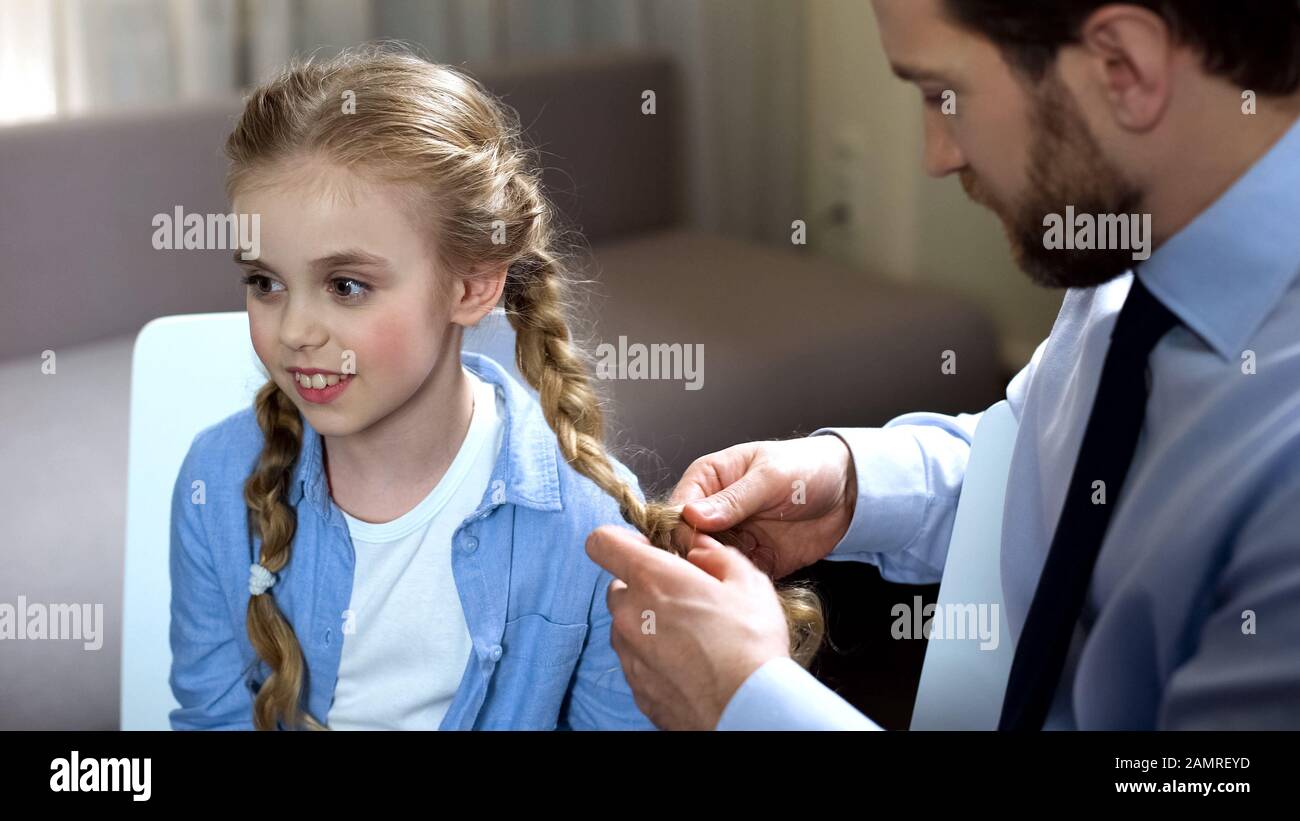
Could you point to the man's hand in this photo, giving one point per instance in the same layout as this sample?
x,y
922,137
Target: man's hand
x,y
791,501
688,632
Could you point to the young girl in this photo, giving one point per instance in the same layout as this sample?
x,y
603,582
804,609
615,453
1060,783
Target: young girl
x,y
392,536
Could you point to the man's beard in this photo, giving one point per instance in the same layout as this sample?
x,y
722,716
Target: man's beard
x,y
1066,167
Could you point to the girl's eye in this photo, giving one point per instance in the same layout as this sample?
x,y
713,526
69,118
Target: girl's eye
x,y
361,288
345,288
255,282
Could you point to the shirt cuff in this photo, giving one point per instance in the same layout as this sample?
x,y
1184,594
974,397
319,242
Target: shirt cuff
x,y
889,510
781,695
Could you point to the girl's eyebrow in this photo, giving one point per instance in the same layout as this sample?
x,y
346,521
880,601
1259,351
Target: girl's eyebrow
x,y
351,256
249,263
338,259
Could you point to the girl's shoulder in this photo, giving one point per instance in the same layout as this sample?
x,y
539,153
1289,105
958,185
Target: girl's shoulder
x,y
208,495
221,457
584,504
581,492
537,452
231,444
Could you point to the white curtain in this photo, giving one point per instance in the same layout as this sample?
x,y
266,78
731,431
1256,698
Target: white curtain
x,y
742,64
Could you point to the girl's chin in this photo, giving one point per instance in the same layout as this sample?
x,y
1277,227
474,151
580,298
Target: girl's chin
x,y
329,420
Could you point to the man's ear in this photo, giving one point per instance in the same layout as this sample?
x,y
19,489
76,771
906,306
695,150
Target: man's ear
x,y
476,295
1133,51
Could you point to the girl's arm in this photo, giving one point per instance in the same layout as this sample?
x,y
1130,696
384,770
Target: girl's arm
x,y
599,697
206,674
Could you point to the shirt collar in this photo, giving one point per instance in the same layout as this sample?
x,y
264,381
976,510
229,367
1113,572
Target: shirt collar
x,y
1225,271
526,466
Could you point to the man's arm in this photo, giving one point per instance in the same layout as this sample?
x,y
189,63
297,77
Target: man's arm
x,y
781,695
1245,671
909,475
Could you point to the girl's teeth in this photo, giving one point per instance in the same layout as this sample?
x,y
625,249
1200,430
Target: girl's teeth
x,y
317,381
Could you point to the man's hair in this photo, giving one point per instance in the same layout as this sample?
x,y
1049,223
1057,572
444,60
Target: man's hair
x,y
1254,43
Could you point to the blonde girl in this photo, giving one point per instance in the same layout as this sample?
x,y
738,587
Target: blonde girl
x,y
392,535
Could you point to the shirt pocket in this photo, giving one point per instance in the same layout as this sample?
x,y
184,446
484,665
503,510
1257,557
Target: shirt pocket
x,y
532,676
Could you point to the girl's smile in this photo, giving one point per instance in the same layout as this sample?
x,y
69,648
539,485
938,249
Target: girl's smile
x,y
319,388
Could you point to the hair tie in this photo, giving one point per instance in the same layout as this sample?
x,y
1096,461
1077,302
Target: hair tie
x,y
259,579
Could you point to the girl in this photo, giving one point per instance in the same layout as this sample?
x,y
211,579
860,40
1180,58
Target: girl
x,y
414,520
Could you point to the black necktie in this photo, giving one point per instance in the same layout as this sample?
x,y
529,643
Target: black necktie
x,y
1107,450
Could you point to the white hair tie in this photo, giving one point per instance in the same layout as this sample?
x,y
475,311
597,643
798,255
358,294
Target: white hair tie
x,y
259,579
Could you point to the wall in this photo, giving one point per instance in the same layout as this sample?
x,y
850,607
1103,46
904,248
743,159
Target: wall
x,y
865,142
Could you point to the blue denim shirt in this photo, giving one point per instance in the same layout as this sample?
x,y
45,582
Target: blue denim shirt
x,y
533,601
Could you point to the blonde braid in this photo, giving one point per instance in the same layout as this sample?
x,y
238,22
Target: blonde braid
x,y
548,359
275,521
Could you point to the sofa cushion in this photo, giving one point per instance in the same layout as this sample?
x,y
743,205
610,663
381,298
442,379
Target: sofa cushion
x,y
791,342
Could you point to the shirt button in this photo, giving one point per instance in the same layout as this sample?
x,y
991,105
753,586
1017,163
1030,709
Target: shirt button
x,y
471,544
495,655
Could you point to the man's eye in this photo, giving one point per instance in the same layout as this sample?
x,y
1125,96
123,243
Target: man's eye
x,y
361,288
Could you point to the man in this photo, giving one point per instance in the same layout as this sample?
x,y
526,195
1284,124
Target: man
x,y
1151,536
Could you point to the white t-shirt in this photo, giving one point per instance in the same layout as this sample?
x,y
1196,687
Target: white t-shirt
x,y
405,642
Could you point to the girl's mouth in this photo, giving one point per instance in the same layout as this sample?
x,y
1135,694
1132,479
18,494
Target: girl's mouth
x,y
324,394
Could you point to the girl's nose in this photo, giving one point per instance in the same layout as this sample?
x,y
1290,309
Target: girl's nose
x,y
300,327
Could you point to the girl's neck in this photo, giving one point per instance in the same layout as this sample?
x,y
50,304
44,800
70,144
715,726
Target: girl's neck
x,y
382,472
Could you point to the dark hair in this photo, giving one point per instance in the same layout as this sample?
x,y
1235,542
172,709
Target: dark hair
x,y
1255,43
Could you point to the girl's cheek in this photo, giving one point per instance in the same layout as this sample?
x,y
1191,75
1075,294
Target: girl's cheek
x,y
396,343
260,340
380,349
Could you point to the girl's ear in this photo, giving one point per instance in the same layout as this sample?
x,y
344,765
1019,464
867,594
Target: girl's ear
x,y
477,295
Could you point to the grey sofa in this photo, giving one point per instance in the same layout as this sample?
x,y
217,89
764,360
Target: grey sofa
x,y
791,342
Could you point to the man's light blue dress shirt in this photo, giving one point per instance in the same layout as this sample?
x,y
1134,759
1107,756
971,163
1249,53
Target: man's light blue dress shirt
x,y
1193,614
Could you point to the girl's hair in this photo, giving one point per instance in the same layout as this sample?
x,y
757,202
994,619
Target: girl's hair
x,y
400,118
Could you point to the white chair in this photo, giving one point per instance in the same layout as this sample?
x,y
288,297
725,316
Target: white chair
x,y
962,685
189,372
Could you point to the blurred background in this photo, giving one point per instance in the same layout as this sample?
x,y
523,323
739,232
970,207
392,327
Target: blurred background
x,y
772,115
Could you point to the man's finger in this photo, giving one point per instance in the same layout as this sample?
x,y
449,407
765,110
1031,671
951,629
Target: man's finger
x,y
729,506
698,538
720,562
614,595
687,536
627,555
688,489
627,651
709,474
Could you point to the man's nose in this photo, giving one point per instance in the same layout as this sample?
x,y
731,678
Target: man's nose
x,y
942,154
